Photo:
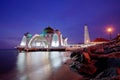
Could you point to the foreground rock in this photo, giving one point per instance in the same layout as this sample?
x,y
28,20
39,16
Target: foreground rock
x,y
100,62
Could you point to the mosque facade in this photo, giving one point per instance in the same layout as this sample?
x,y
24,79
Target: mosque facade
x,y
49,38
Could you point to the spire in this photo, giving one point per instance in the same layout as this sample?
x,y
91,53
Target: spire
x,y
86,35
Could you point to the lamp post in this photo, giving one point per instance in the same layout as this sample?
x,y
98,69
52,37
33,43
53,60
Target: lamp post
x,y
109,30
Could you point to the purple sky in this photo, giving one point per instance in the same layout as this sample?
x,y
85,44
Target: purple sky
x,y
69,16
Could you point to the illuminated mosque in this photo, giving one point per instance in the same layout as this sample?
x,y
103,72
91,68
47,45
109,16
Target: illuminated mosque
x,y
49,38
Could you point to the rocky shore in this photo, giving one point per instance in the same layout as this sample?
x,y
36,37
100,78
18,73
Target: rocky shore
x,y
99,62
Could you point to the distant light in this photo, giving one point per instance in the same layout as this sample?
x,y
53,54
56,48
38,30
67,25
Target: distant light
x,y
109,29
87,41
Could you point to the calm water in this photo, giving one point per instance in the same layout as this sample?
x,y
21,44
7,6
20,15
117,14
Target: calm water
x,y
34,66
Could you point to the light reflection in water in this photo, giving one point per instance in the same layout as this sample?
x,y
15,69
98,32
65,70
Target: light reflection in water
x,y
38,65
56,59
21,62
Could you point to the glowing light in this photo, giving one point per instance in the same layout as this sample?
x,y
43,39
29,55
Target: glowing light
x,y
55,41
55,44
109,29
37,44
23,41
87,41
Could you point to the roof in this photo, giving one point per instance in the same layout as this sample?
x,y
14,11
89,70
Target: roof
x,y
100,40
48,30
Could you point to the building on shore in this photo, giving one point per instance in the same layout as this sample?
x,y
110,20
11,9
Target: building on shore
x,y
49,38
86,35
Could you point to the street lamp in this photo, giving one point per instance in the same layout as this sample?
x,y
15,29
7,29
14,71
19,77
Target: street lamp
x,y
109,30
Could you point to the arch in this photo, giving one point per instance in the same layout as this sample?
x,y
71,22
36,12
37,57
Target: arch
x,y
55,40
38,42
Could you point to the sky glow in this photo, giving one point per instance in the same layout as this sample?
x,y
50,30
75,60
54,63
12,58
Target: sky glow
x,y
68,16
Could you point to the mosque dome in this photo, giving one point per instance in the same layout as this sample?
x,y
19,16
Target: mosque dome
x,y
57,31
49,30
28,35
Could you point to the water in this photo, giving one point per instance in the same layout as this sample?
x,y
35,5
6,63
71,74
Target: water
x,y
34,66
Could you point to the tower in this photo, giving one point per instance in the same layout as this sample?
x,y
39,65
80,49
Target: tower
x,y
86,35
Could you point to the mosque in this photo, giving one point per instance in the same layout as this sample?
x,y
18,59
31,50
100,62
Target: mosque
x,y
49,38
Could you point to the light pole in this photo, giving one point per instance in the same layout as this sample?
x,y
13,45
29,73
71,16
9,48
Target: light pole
x,y
109,30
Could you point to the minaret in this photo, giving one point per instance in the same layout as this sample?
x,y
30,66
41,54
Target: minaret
x,y
86,35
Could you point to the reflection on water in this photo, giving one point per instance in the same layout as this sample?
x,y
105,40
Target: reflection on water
x,y
39,65
32,65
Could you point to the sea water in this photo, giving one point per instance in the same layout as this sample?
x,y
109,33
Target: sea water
x,y
15,65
